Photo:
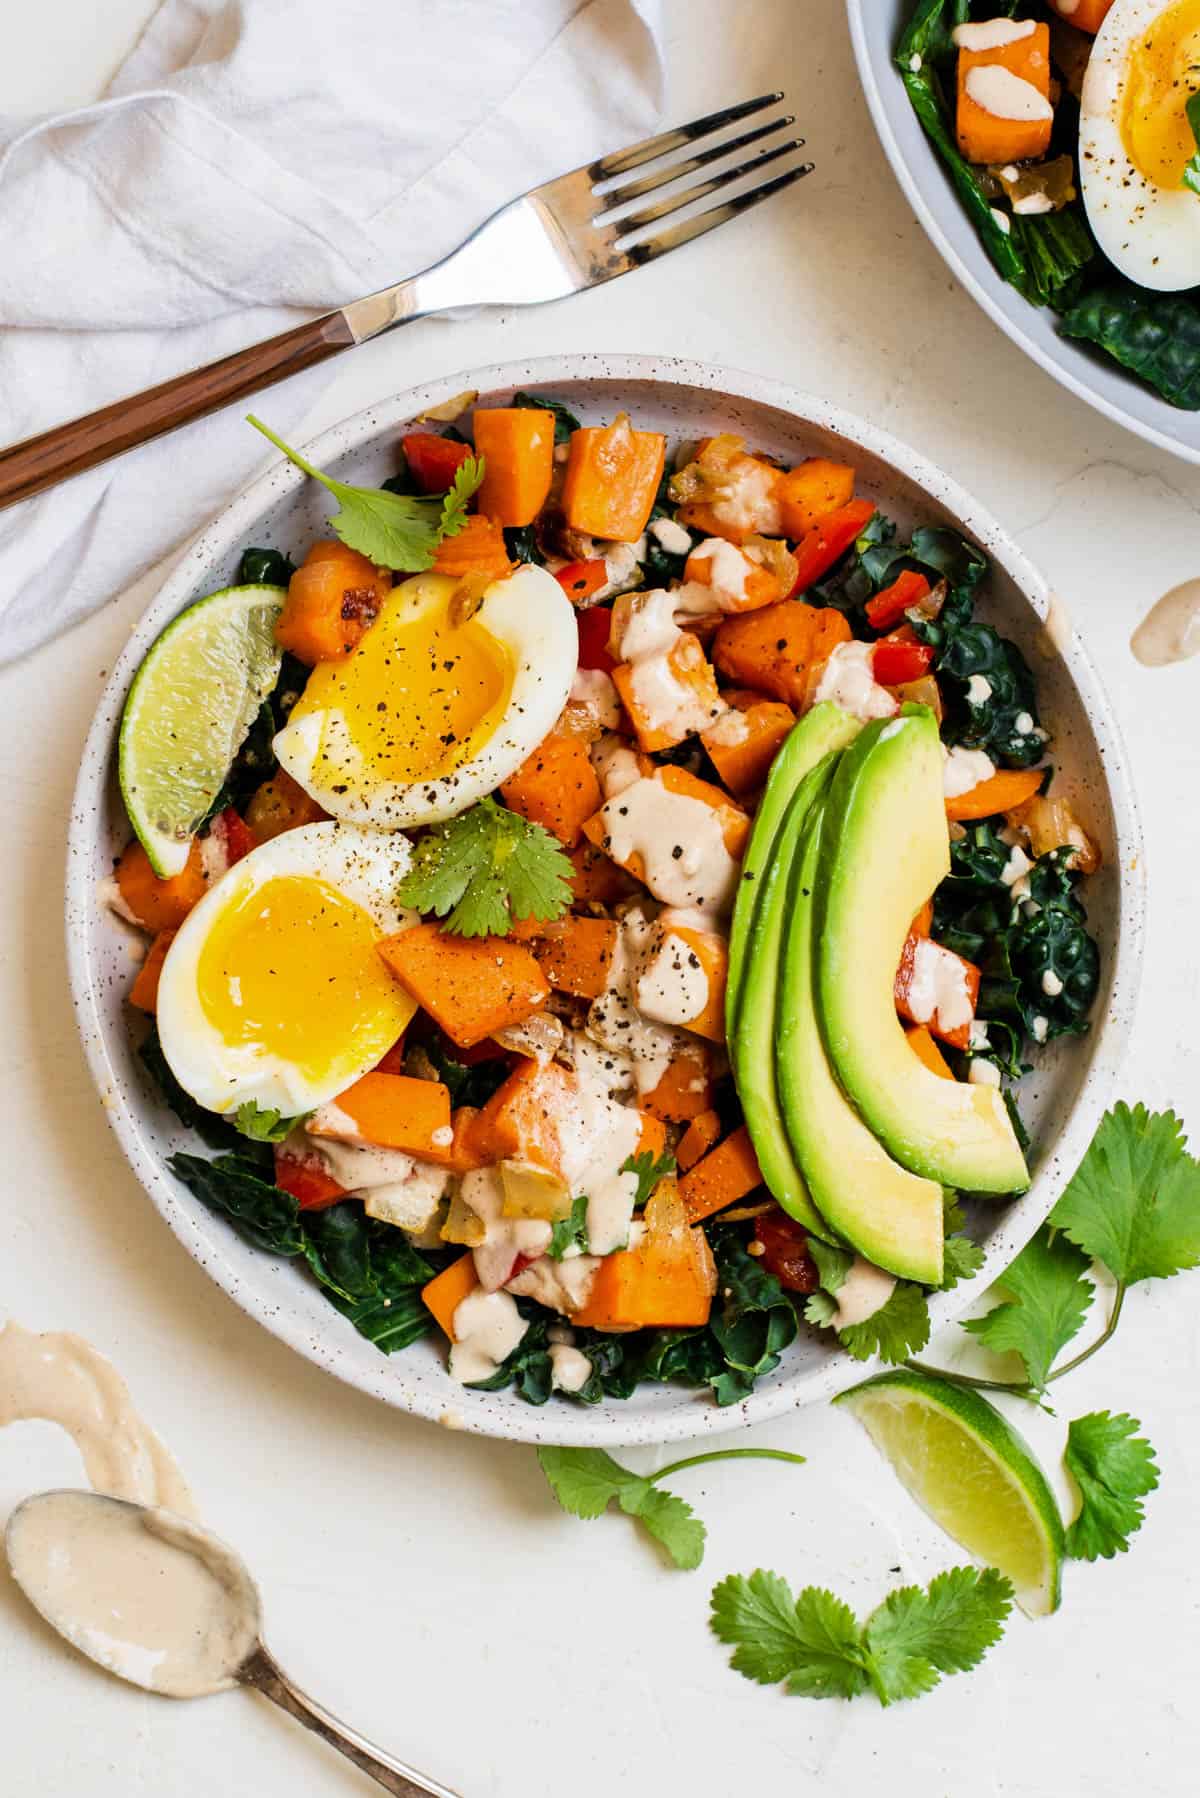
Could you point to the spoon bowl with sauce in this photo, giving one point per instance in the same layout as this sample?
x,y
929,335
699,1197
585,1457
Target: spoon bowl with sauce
x,y
163,1603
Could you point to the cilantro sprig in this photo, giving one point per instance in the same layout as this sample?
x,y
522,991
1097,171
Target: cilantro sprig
x,y
394,530
815,1645
485,869
1114,1469
585,1481
648,1169
264,1124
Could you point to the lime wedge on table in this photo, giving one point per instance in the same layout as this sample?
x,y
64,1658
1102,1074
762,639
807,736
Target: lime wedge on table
x,y
190,706
970,1470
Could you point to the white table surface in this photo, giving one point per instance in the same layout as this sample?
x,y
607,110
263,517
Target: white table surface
x,y
423,1582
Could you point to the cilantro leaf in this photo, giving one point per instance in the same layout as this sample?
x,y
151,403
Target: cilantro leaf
x,y
1134,1202
648,1170
670,1520
263,1124
812,1641
820,1308
1191,171
569,1232
585,1481
915,1636
395,530
894,1332
485,869
815,1643
833,1264
961,1259
1114,1468
1049,1297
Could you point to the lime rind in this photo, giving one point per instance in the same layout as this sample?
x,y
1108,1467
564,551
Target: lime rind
x,y
189,709
972,1473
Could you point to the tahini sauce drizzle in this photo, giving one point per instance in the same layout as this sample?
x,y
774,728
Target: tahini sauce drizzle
x,y
1170,631
139,1591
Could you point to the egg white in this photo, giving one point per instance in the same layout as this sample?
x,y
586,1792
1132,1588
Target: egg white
x,y
364,866
1150,233
531,615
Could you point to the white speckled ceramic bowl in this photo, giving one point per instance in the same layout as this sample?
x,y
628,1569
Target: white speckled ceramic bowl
x,y
1062,1100
875,29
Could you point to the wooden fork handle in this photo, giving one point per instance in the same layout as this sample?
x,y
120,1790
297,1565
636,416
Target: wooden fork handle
x,y
40,462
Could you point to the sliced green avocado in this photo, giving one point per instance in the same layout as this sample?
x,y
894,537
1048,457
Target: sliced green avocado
x,y
825,728
751,1054
892,1217
885,848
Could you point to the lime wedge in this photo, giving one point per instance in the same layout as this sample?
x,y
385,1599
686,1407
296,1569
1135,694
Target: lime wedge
x,y
974,1475
190,706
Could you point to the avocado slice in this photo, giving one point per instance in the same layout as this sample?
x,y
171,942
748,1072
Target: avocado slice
x,y
892,1217
885,848
750,1042
823,729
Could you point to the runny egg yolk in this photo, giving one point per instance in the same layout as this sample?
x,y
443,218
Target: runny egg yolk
x,y
417,697
290,968
1161,75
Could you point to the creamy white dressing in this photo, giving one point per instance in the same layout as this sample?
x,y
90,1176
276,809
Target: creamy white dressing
x,y
964,769
614,1019
728,571
1003,222
1052,986
727,731
644,625
978,1037
593,690
563,1286
1023,724
1032,203
1005,95
938,988
487,1328
505,1238
672,983
145,1593
362,1167
622,565
616,765
570,1369
864,1291
680,840
109,894
1016,868
413,1203
848,679
610,1210
669,702
671,536
1170,631
983,1072
1040,1029
992,34
979,689
60,1378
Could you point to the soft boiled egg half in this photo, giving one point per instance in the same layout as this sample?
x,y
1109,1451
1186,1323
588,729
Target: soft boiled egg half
x,y
444,697
273,992
1135,140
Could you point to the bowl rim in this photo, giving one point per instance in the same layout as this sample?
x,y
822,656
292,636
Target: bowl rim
x,y
861,29
607,1424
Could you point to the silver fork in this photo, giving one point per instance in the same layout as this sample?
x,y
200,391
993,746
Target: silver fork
x,y
570,233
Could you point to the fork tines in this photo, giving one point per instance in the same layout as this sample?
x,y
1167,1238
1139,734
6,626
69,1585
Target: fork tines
x,y
612,199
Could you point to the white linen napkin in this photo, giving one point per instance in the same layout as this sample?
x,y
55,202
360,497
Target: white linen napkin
x,y
253,163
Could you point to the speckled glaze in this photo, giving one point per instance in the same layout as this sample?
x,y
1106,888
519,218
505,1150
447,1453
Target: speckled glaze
x,y
1063,1099
875,28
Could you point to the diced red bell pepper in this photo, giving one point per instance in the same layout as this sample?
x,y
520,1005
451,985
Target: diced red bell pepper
x,y
890,604
785,1251
900,658
434,461
594,626
393,1061
305,1178
820,548
233,836
960,1036
579,580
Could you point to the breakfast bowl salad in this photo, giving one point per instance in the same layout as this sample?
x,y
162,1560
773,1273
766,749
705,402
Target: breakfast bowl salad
x,y
599,904
1071,133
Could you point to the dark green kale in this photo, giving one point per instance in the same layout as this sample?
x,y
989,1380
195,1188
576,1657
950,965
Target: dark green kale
x,y
473,1085
565,421
522,544
1154,335
264,568
662,566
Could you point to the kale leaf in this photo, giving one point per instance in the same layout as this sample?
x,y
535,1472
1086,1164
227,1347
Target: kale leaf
x,y
264,568
473,1085
1154,335
521,542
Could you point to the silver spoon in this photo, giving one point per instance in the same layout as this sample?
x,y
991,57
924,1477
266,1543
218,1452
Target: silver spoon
x,y
165,1604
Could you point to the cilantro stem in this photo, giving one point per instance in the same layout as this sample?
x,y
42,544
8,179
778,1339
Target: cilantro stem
x,y
726,1454
286,450
1022,1388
